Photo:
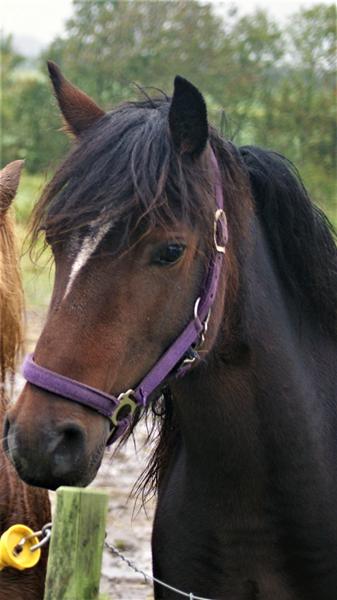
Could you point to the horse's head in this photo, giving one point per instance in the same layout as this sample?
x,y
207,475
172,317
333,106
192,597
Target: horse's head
x,y
11,299
129,217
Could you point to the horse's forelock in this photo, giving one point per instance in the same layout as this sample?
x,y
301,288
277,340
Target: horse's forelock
x,y
126,169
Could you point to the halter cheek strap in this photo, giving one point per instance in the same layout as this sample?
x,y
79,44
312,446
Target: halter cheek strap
x,y
175,361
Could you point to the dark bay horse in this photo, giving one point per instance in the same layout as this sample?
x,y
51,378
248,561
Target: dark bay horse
x,y
19,503
245,466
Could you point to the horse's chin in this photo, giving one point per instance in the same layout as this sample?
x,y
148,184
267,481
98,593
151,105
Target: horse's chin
x,y
52,483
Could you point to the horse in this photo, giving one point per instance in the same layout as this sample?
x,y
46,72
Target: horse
x,y
19,503
163,230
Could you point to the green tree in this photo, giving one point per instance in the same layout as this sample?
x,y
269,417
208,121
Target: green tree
x,y
29,119
303,108
110,44
38,136
10,60
275,83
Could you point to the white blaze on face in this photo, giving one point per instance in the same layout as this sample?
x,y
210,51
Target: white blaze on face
x,y
88,247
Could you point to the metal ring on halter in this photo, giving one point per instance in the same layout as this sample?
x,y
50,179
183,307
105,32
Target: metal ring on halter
x,y
204,324
204,331
207,321
124,399
220,215
196,306
189,361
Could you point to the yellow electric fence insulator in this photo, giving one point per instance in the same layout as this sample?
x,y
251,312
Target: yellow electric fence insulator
x,y
15,554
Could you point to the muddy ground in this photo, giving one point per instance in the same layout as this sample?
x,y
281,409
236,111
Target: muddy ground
x,y
128,525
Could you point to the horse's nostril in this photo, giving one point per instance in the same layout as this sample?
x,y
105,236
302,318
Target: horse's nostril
x,y
70,440
72,432
55,456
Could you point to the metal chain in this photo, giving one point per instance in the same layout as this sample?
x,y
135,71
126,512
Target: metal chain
x,y
43,533
149,578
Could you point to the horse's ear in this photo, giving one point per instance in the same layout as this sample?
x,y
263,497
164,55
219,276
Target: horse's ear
x,y
188,118
78,110
9,181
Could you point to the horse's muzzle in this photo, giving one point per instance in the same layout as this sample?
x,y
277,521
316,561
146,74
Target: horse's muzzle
x,y
55,457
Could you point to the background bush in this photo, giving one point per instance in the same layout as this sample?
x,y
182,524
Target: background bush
x,y
265,83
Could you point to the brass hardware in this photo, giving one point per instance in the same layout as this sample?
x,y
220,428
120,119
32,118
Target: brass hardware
x,y
219,215
191,360
124,399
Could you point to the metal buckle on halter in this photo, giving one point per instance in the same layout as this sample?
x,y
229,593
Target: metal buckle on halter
x,y
220,215
124,400
205,323
194,351
219,218
191,357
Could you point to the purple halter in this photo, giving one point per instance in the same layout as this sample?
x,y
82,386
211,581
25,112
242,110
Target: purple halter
x,y
176,360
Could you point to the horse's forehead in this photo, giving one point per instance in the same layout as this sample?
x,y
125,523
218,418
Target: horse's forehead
x,y
87,236
81,248
82,244
74,244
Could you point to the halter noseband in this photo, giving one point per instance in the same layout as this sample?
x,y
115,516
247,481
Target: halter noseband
x,y
176,360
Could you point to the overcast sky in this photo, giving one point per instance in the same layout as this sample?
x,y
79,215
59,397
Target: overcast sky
x,y
42,20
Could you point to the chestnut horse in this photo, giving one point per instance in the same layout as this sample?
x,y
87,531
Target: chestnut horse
x,y
19,503
246,461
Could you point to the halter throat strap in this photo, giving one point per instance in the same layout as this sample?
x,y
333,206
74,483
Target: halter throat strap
x,y
176,361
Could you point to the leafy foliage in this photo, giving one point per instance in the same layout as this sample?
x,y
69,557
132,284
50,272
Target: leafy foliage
x,y
264,83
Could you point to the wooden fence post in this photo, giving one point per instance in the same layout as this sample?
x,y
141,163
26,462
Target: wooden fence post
x,y
76,547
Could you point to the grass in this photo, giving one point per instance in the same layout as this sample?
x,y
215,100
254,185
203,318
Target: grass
x,y
37,275
332,214
29,191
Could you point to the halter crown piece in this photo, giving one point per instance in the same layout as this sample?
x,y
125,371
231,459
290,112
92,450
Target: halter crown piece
x,y
177,359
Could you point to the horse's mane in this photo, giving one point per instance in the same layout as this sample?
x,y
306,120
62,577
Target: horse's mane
x,y
299,234
303,245
11,298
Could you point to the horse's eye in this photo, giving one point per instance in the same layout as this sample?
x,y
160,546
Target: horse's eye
x,y
168,254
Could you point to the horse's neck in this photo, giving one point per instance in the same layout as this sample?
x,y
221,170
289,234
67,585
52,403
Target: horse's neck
x,y
266,401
